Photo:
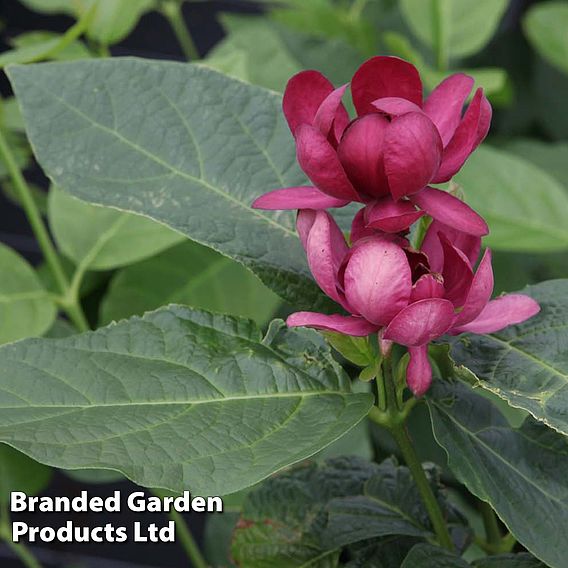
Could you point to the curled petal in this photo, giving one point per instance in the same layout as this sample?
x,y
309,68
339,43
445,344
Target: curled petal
x,y
381,77
421,322
361,154
325,249
332,115
432,247
445,103
359,228
419,370
303,96
304,223
427,286
467,137
306,197
377,280
319,161
479,292
457,273
392,216
395,106
412,153
501,313
348,325
451,211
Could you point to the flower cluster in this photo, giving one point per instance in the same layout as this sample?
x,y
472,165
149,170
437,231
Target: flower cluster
x,y
385,159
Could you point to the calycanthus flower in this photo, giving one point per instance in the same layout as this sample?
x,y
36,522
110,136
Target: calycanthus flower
x,y
411,297
389,154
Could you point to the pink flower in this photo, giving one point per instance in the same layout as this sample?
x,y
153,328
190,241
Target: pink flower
x,y
411,297
395,147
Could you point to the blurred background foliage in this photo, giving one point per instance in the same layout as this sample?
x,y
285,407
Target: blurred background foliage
x,y
517,50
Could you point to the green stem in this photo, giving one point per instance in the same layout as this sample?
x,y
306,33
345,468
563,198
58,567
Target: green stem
x,y
18,548
172,10
393,418
490,523
187,541
439,11
23,190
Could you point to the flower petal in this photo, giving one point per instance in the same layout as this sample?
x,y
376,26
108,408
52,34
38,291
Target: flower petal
x,y
377,280
304,223
445,103
501,313
348,325
361,154
431,245
479,292
332,115
392,216
384,76
451,211
359,228
468,135
421,322
395,106
319,161
427,286
304,197
303,96
325,249
419,370
412,153
457,273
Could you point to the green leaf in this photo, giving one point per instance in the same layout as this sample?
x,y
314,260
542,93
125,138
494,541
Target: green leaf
x,y
357,350
521,473
10,115
193,153
22,155
36,39
193,275
526,364
387,552
20,473
178,399
468,25
94,476
549,99
521,560
26,308
428,556
545,26
217,538
523,204
99,238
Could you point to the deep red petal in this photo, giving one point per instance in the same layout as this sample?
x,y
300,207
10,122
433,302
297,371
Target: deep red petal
x,y
384,76
457,273
392,216
304,197
332,115
419,370
359,228
348,325
427,286
395,106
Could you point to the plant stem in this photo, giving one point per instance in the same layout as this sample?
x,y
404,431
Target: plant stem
x,y
187,540
492,532
23,190
439,11
18,548
393,418
172,10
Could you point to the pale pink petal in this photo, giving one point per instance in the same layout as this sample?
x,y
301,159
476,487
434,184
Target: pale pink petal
x,y
479,292
361,154
421,322
470,245
325,249
381,77
395,106
413,149
303,96
451,211
359,228
419,370
468,135
348,325
305,197
377,280
319,160
501,313
392,216
332,115
427,286
457,273
445,103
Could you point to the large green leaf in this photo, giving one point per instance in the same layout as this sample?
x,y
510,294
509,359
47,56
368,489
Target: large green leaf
x,y
524,206
466,25
193,153
545,25
20,473
100,238
26,308
522,473
193,275
178,399
527,364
